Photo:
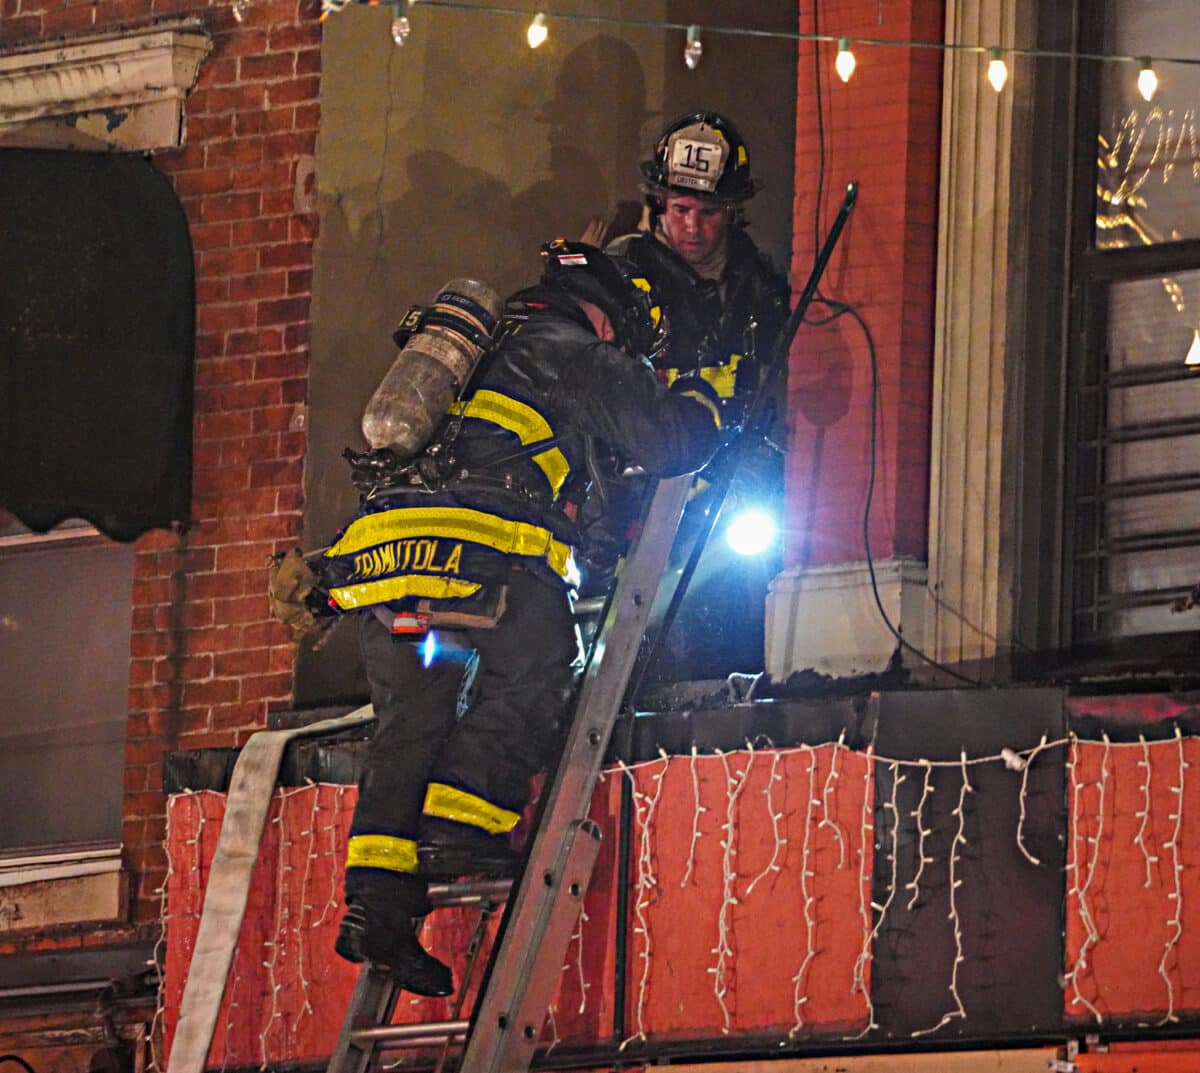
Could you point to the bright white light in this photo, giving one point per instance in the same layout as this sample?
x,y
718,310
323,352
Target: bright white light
x,y
751,532
693,51
844,63
1193,354
997,72
538,30
1147,82
429,649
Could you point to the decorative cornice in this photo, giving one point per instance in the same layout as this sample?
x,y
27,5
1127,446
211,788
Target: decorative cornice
x,y
84,92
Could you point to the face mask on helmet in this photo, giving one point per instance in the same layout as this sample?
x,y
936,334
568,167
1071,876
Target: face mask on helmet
x,y
700,154
616,286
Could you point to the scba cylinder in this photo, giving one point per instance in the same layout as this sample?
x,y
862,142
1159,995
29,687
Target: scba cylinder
x,y
439,346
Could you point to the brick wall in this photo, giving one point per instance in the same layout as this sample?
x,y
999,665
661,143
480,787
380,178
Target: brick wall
x,y
882,129
207,662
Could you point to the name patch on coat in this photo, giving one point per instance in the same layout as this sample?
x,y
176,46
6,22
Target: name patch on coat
x,y
397,556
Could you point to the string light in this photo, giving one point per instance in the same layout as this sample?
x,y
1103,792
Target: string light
x,y
239,9
997,70
1147,80
1080,888
724,948
400,29
1144,62
693,51
844,63
538,30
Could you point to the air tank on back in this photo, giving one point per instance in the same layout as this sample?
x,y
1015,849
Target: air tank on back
x,y
439,347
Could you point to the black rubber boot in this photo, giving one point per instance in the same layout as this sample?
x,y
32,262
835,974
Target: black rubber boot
x,y
395,949
380,926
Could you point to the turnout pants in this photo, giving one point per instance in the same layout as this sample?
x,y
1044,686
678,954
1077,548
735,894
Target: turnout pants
x,y
431,773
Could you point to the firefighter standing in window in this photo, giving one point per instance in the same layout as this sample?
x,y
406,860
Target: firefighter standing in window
x,y
476,533
727,305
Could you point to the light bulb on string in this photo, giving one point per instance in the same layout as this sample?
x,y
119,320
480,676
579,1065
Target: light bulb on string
x,y
693,51
538,30
1147,81
401,27
1193,354
844,63
239,9
997,71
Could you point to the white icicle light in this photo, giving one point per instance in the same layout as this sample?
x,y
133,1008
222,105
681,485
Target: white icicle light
x,y
844,63
538,30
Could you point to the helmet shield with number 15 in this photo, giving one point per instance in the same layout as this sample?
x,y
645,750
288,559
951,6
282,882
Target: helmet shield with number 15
x,y
701,154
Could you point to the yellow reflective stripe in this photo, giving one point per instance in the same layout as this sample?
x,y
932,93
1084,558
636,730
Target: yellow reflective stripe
x,y
706,402
382,851
458,523
447,803
397,588
722,378
526,424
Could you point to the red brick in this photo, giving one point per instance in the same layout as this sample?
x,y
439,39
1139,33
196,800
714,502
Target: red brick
x,y
294,390
262,285
241,151
244,609
283,310
296,336
214,691
243,206
299,281
237,716
306,117
260,232
219,426
287,255
280,366
225,317
271,66
270,686
66,19
295,37
223,262
250,556
223,479
217,639
294,90
260,341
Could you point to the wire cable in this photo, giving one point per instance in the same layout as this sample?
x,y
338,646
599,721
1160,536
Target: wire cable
x,y
18,1060
844,309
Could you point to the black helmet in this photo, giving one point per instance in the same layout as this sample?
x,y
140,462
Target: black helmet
x,y
701,154
616,285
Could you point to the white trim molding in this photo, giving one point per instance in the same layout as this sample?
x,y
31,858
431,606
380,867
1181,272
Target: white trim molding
x,y
46,890
825,618
102,92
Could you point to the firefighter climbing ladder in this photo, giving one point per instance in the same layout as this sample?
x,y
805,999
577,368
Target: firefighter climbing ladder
x,y
503,1032
501,1035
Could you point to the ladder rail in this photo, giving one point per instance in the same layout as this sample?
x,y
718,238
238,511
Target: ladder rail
x,y
511,1010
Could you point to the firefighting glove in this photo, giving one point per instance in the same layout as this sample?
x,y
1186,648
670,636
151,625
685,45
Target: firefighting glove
x,y
293,594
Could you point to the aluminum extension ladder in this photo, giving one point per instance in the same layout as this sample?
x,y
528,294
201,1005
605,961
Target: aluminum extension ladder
x,y
501,1035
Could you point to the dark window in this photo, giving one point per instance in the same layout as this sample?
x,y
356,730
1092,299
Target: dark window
x,y
97,315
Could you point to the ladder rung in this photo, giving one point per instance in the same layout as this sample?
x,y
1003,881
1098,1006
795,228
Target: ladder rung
x,y
388,1037
473,892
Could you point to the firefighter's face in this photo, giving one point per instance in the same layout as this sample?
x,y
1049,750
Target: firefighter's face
x,y
693,226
